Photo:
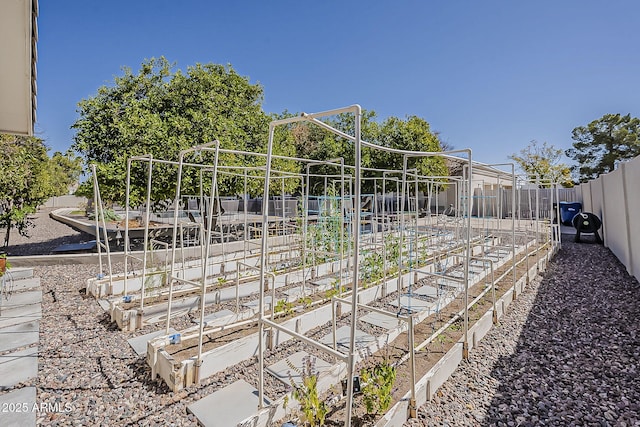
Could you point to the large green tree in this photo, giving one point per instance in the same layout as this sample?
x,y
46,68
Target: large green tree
x,y
603,143
29,178
412,133
161,112
541,163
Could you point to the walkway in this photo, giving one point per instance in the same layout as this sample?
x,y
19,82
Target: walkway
x,y
20,311
568,353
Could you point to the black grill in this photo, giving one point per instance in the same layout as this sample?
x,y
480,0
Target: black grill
x,y
586,222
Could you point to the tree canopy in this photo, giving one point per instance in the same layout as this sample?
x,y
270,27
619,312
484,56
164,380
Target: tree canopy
x,y
542,162
413,134
160,112
603,143
29,178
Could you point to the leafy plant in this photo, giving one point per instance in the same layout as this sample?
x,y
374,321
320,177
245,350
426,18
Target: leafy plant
x,y
377,386
157,276
109,215
335,290
284,306
29,177
442,339
306,301
372,267
392,248
314,410
4,263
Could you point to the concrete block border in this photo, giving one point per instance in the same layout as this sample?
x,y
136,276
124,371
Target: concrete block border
x,y
429,384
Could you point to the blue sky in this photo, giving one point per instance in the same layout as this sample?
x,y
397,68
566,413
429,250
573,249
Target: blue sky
x,y
488,75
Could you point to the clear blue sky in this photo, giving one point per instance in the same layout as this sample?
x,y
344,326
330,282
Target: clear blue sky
x,y
488,75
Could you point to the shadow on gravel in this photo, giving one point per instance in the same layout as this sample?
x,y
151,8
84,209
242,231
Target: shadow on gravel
x,y
577,361
46,247
142,377
105,320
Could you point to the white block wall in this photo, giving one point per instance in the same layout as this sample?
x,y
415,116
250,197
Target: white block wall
x,y
615,198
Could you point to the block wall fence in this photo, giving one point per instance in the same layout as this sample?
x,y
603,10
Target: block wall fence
x,y
615,198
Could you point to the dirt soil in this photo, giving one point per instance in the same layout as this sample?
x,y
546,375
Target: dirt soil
x,y
428,357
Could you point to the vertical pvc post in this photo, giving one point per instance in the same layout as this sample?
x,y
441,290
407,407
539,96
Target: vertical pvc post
x,y
205,264
98,201
174,241
412,362
513,222
246,229
146,233
559,220
95,215
465,346
126,226
384,231
356,264
342,222
263,267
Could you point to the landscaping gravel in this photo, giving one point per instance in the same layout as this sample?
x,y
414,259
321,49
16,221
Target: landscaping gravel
x,y
567,353
44,236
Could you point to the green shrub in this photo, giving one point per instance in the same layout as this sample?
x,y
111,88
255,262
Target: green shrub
x,y
377,386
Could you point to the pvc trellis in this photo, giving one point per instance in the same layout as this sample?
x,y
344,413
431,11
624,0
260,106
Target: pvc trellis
x,y
403,214
358,143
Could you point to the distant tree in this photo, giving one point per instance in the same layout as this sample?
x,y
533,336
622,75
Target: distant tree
x,y
603,143
411,134
63,172
160,112
445,145
542,162
29,178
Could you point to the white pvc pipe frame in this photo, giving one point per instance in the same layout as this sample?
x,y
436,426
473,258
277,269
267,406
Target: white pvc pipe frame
x,y
358,144
356,230
356,109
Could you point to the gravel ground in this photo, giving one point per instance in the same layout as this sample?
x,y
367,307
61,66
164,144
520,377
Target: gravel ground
x,y
44,236
567,353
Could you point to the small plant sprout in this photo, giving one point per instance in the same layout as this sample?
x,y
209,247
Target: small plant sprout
x,y
314,410
306,301
335,291
283,306
442,339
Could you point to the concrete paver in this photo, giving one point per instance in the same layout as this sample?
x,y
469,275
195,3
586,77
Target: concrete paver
x,y
19,335
23,284
377,319
20,299
139,344
427,291
413,304
282,371
228,406
342,338
17,407
16,316
18,366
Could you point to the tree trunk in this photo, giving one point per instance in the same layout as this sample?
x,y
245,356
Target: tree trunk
x,y
8,233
